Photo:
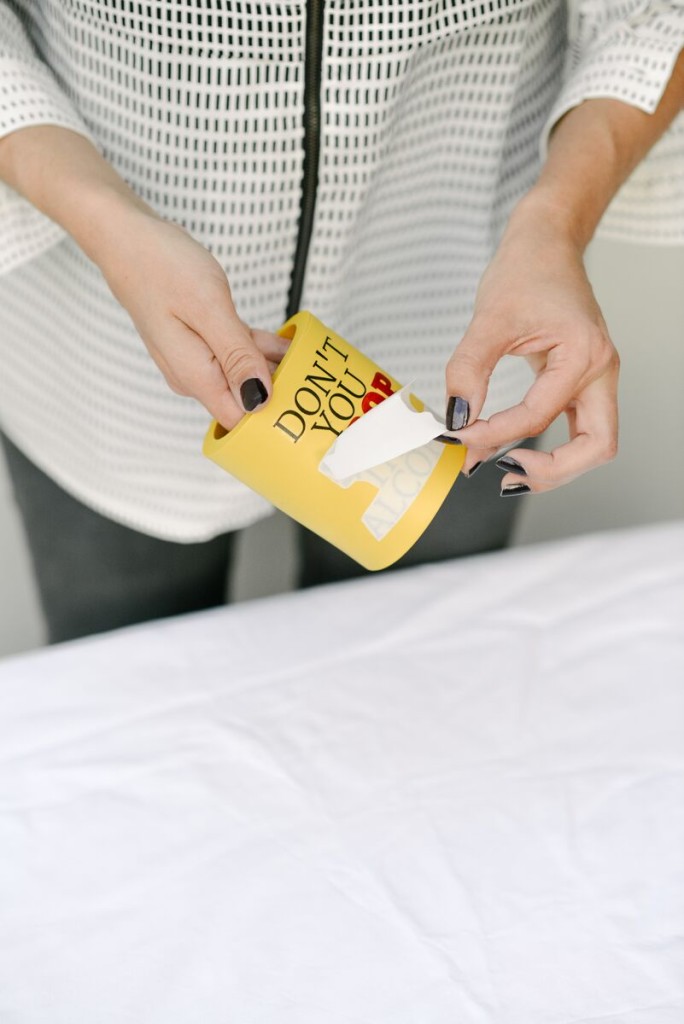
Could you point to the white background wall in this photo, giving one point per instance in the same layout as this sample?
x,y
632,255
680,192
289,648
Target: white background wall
x,y
641,291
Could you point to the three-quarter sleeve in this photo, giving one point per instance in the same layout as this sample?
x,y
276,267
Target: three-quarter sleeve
x,y
29,95
626,50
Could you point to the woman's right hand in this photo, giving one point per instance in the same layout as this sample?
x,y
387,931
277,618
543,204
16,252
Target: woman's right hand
x,y
180,302
175,292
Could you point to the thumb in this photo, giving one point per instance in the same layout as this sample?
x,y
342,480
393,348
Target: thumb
x,y
468,373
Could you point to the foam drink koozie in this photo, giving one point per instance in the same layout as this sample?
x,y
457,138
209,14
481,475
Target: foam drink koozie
x,y
321,387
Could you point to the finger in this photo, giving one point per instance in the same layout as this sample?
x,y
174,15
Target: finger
x,y
271,346
476,457
243,364
468,372
191,369
479,456
593,440
550,394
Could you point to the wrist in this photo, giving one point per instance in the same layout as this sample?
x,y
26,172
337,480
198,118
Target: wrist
x,y
543,211
107,215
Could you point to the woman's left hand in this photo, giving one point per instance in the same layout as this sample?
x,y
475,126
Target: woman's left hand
x,y
535,301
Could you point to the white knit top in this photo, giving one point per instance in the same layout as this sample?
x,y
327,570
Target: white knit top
x,y
433,116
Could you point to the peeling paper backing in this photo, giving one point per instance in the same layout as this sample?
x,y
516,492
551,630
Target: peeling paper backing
x,y
388,431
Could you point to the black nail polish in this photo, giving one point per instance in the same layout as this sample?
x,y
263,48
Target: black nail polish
x,y
253,393
512,489
445,439
473,469
457,414
509,465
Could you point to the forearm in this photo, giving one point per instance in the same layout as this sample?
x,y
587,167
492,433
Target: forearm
x,y
175,292
62,174
593,149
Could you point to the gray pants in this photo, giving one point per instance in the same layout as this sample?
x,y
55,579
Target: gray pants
x,y
95,575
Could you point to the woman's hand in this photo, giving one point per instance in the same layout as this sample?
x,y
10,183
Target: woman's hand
x,y
175,292
179,299
535,301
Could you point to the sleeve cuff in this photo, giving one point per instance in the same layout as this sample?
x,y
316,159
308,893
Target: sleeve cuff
x,y
627,52
630,61
29,96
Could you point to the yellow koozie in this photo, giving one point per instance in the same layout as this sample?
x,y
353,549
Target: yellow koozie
x,y
323,385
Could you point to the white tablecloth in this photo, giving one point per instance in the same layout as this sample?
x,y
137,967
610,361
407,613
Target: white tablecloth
x,y
453,795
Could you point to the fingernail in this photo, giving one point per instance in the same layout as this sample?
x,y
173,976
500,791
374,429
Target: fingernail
x,y
509,465
253,393
513,489
457,414
445,439
473,469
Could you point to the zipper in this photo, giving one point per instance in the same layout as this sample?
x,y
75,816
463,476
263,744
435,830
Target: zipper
x,y
313,55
